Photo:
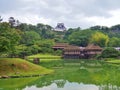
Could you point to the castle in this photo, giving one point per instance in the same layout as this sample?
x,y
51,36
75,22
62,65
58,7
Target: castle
x,y
60,27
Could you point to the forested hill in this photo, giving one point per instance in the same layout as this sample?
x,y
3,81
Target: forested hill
x,y
111,31
18,39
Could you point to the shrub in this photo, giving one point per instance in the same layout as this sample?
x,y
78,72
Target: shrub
x,y
110,53
58,52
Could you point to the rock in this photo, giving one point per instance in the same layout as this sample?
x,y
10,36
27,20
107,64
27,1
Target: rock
x,y
4,76
17,72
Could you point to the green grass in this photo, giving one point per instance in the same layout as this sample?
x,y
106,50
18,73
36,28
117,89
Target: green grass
x,y
20,67
44,56
114,61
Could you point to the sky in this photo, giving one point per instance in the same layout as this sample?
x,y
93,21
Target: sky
x,y
73,13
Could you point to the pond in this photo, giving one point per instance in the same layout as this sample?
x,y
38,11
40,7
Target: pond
x,y
70,76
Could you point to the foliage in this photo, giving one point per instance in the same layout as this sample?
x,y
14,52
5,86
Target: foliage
x,y
110,53
80,38
9,37
100,39
30,37
114,42
58,52
45,46
69,32
40,38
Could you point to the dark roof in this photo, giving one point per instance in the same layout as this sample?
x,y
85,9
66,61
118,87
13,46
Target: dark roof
x,y
60,45
93,47
71,47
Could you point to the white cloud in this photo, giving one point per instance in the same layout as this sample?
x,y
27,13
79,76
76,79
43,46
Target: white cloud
x,y
110,21
77,13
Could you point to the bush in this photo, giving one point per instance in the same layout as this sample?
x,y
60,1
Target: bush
x,y
58,52
110,53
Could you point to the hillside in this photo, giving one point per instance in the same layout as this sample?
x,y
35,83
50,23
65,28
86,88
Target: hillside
x,y
20,67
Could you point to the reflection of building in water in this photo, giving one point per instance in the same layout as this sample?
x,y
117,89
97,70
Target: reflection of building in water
x,y
109,87
60,27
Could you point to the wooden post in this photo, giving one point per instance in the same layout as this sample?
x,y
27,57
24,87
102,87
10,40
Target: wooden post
x,y
36,60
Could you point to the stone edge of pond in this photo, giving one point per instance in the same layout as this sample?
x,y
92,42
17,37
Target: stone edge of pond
x,y
37,75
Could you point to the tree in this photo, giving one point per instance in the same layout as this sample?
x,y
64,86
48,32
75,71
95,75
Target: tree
x,y
100,39
70,31
9,37
45,45
30,37
110,53
114,42
80,38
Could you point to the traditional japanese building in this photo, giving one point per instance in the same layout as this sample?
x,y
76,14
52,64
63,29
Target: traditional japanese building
x,y
60,27
92,50
60,46
76,52
73,52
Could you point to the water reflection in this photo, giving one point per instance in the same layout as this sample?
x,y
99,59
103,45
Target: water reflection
x,y
109,87
66,85
38,84
67,78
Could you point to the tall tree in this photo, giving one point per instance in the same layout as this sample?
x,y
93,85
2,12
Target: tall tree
x,y
9,37
100,39
30,37
80,38
114,42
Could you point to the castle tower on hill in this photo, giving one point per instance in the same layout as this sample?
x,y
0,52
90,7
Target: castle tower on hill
x,y
60,27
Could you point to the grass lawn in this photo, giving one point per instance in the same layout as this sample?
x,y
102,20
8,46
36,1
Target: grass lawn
x,y
20,67
44,57
115,61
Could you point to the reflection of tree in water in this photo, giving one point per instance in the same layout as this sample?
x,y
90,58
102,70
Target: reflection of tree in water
x,y
109,87
16,83
60,83
96,76
43,82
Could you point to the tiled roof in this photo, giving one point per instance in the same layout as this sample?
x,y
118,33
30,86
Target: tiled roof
x,y
60,45
71,48
93,47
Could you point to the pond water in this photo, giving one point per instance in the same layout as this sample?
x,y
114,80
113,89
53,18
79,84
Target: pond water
x,y
67,86
69,77
73,86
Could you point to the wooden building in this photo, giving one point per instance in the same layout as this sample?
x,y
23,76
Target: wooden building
x,y
60,46
73,52
76,52
92,50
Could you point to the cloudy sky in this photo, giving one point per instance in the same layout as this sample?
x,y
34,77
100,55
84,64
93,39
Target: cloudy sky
x,y
73,13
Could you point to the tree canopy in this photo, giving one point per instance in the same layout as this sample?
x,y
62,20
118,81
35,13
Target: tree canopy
x,y
31,39
9,37
100,39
